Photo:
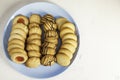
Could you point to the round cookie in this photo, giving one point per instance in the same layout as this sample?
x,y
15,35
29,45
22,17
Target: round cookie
x,y
33,25
35,41
69,36
47,44
32,47
16,36
70,41
35,18
48,50
69,47
68,25
18,31
16,41
66,31
60,21
35,30
51,33
33,62
66,52
62,59
20,19
17,50
19,57
34,53
51,40
48,60
14,46
33,36
20,26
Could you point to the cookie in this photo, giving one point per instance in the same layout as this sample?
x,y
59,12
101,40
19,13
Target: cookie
x,y
17,50
48,50
48,17
70,41
20,26
35,18
19,57
63,59
47,44
16,36
69,47
35,41
66,52
14,46
19,31
60,21
33,62
31,25
20,19
34,53
68,25
35,30
16,41
33,36
66,31
51,40
31,47
48,26
51,33
48,60
69,36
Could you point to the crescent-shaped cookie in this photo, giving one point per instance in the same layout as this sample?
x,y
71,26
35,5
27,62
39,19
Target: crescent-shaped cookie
x,y
35,18
20,19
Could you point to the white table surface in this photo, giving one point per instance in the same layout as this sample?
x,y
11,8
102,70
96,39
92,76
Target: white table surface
x,y
99,57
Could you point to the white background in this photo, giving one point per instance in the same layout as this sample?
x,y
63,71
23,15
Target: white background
x,y
99,57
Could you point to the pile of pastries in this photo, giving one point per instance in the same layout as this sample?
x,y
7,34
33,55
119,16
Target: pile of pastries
x,y
34,40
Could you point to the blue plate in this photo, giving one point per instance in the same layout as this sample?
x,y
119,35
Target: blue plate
x,y
39,8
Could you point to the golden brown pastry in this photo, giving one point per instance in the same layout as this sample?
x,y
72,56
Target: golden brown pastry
x,y
20,19
19,58
35,18
33,62
34,53
63,59
48,60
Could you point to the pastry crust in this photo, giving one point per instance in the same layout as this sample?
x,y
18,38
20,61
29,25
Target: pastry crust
x,y
48,60
31,47
33,62
62,59
20,19
20,26
19,58
34,53
35,18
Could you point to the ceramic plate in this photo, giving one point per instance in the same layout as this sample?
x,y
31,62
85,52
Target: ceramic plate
x,y
39,8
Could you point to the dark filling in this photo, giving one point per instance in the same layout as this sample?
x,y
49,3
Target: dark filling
x,y
20,20
19,58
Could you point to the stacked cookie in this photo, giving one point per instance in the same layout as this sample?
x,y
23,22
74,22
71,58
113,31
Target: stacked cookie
x,y
50,40
16,42
34,41
69,41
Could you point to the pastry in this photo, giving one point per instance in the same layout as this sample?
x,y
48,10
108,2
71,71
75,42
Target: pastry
x,y
70,41
66,31
16,41
35,30
48,50
48,60
69,36
19,31
31,47
62,59
20,19
33,62
34,53
35,18
60,21
20,26
66,52
19,57
69,47
68,25
16,36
